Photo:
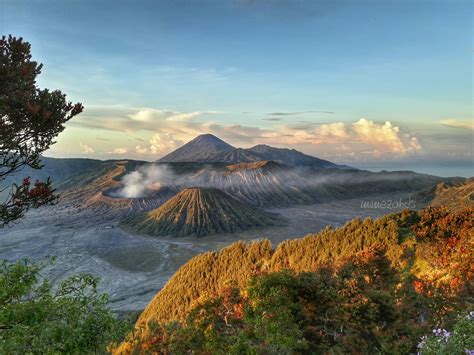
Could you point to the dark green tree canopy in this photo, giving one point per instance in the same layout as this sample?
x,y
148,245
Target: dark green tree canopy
x,y
30,120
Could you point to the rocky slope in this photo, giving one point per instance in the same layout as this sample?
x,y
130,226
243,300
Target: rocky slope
x,y
198,212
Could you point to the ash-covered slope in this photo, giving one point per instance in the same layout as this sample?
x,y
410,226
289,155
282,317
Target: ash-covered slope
x,y
262,183
209,148
199,212
92,191
270,184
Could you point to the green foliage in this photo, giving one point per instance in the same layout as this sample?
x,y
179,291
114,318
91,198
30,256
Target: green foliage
x,y
329,310
37,318
459,341
30,119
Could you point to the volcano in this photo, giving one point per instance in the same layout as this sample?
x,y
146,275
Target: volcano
x,y
208,148
199,212
203,148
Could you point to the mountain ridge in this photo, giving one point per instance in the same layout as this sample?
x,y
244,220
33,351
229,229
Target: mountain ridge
x,y
209,148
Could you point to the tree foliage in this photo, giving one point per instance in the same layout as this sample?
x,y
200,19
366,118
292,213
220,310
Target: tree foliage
x,y
376,286
39,319
333,310
30,119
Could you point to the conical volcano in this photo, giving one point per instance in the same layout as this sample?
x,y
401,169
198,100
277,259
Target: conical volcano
x,y
199,212
203,148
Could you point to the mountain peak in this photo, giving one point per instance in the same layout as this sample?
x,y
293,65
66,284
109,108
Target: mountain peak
x,y
199,211
201,148
209,148
212,140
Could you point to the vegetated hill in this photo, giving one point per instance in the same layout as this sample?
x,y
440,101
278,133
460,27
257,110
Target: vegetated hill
x,y
199,212
209,148
420,272
453,194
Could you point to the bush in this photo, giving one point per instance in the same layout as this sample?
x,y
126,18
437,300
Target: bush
x,y
442,341
37,318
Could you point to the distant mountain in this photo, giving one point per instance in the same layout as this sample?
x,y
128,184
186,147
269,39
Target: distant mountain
x,y
209,148
203,148
289,157
198,212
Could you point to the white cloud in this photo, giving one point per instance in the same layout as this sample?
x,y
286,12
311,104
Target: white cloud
x,y
338,130
150,115
86,149
133,119
141,150
366,137
386,136
119,151
455,123
159,144
172,129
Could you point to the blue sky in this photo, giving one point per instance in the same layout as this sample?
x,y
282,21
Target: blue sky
x,y
152,74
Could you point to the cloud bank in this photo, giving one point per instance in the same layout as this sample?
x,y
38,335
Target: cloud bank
x,y
168,130
455,123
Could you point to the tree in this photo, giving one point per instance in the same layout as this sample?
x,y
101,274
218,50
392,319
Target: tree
x,y
36,318
30,119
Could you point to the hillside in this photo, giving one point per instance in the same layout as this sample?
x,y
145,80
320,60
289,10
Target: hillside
x,y
198,212
453,194
437,259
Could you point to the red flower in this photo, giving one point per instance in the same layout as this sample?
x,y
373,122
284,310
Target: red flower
x,y
419,286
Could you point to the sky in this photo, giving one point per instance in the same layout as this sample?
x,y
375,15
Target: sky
x,y
372,84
